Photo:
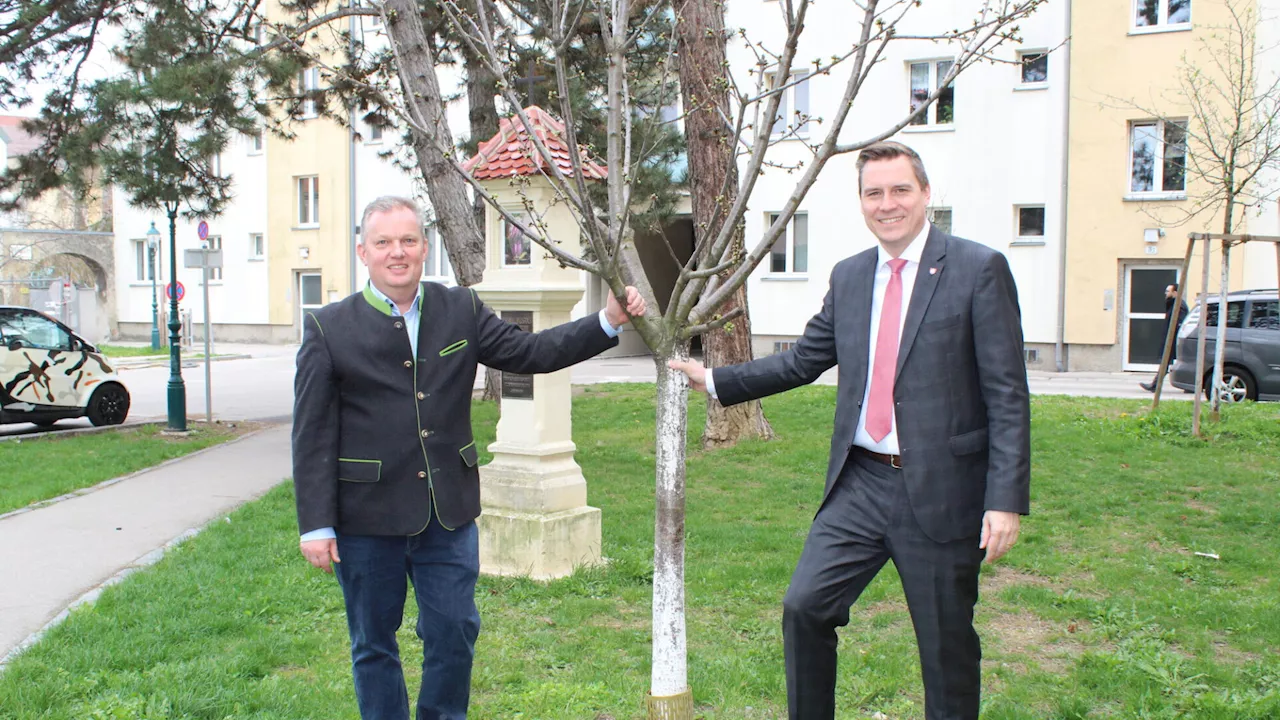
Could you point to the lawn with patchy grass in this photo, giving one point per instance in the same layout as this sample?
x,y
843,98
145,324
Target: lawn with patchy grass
x,y
1101,611
45,467
131,351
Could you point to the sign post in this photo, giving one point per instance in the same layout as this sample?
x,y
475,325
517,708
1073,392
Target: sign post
x,y
206,260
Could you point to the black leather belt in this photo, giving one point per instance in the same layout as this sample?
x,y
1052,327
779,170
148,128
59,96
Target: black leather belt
x,y
894,461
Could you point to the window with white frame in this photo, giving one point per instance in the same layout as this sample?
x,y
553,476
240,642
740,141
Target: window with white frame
x,y
256,142
144,262
214,165
308,82
790,252
793,109
215,243
257,246
941,218
1034,65
926,76
1030,220
375,133
308,201
1161,13
436,268
1157,157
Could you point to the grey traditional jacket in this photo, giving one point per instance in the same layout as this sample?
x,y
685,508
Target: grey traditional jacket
x,y
380,437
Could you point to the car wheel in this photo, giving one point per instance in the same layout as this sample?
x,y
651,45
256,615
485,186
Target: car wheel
x,y
109,405
1238,386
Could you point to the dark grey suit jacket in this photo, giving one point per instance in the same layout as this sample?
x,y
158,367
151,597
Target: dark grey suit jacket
x,y
961,399
380,437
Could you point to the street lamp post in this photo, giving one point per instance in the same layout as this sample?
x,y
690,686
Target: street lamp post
x,y
153,246
177,388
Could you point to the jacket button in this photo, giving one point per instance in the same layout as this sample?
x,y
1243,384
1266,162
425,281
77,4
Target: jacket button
x,y
399,325
422,396
426,433
422,473
408,363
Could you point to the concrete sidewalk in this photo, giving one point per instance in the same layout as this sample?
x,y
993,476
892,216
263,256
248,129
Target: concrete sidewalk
x,y
53,555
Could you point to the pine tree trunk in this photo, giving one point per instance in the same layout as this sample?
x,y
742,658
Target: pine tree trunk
x,y
700,38
669,682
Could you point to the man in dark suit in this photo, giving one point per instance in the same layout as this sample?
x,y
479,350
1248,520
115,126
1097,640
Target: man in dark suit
x,y
384,463
930,454
1170,316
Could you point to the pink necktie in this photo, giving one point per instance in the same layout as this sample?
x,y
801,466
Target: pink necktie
x,y
880,403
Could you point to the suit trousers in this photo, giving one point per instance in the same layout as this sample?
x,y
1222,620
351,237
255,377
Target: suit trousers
x,y
866,521
374,573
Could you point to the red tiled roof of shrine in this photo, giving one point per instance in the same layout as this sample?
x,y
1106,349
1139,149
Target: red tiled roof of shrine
x,y
511,153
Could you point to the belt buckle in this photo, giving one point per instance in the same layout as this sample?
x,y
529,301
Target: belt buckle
x,y
895,462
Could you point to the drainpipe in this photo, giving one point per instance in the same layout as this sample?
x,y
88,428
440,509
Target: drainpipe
x,y
1059,348
351,167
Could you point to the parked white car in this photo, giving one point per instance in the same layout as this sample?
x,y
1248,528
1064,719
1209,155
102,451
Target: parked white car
x,y
48,373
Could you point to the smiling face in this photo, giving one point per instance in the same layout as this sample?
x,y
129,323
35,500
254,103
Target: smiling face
x,y
393,250
893,202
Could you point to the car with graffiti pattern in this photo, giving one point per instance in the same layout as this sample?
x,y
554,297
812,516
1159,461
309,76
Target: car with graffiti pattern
x,y
48,373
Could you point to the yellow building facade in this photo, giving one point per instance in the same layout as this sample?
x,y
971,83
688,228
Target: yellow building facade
x,y
1124,192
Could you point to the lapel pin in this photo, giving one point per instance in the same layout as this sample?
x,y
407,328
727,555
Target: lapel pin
x,y
933,271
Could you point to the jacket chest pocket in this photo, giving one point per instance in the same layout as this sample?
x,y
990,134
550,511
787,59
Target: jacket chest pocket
x,y
358,470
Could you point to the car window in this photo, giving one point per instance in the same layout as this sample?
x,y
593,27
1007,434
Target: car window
x,y
6,325
1235,314
36,331
1264,315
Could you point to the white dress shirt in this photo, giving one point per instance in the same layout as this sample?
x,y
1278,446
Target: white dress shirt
x,y
412,320
861,438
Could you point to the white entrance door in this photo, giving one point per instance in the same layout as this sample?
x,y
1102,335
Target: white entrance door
x,y
310,297
1144,330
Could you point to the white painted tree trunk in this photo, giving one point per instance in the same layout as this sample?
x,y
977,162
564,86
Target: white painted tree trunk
x,y
670,662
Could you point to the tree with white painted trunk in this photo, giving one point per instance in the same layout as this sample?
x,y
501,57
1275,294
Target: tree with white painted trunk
x,y
715,271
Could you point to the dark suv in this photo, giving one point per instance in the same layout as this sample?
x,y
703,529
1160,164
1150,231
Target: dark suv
x,y
1251,368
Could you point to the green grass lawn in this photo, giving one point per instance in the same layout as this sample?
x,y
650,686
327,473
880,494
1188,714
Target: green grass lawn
x,y
48,466
131,351
1101,611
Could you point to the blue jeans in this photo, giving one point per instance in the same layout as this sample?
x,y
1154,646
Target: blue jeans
x,y
443,565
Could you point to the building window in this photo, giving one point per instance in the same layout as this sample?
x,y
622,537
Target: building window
x,y
375,133
1158,13
1030,222
145,265
941,218
214,165
215,243
790,252
308,82
24,253
784,345
309,201
517,248
1158,156
257,246
793,108
925,77
437,267
256,142
1035,67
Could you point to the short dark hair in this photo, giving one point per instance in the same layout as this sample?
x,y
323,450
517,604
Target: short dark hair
x,y
1174,285
889,150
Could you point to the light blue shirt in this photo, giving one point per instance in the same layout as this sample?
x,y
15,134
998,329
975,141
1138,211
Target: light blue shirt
x,y
412,320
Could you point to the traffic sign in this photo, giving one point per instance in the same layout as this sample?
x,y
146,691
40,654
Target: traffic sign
x,y
203,230
168,291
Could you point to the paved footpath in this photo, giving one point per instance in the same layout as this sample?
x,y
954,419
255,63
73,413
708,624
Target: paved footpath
x,y
53,555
